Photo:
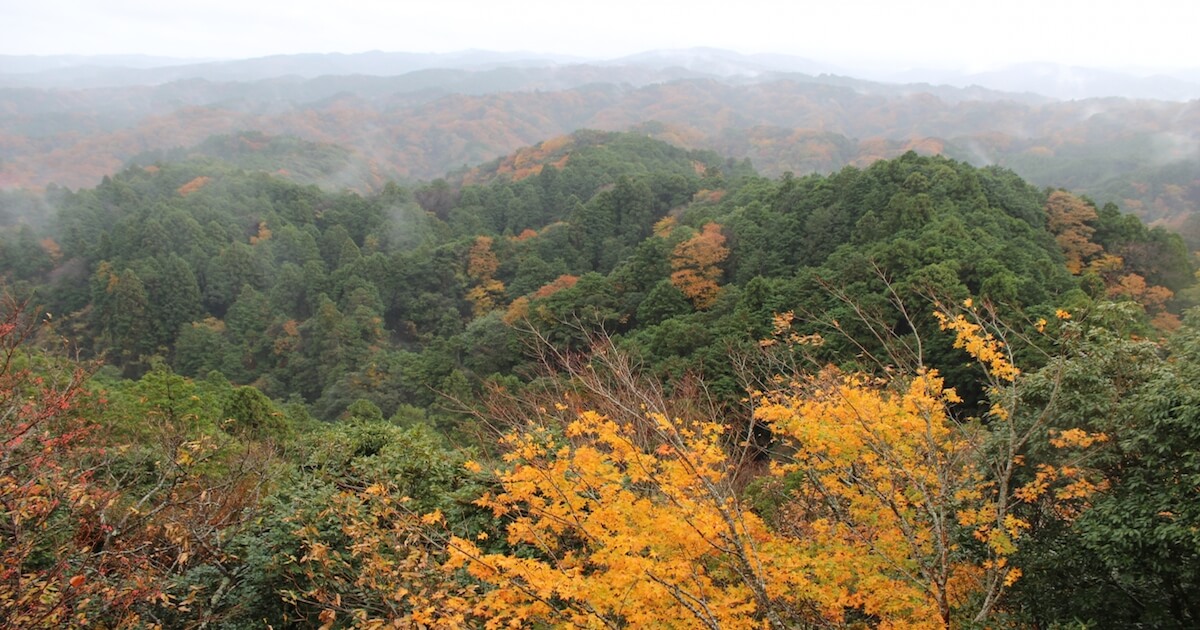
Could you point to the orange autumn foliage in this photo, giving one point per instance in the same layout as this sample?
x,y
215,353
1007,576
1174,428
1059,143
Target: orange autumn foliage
x,y
525,235
1134,286
1067,217
481,267
696,265
517,311
193,185
52,249
262,234
481,260
565,281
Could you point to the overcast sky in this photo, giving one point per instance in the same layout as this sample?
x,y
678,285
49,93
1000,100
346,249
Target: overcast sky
x,y
949,33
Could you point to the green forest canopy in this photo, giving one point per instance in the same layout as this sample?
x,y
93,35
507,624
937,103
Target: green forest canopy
x,y
235,311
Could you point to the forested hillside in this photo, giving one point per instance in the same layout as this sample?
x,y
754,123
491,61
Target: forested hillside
x,y
417,126
601,381
335,296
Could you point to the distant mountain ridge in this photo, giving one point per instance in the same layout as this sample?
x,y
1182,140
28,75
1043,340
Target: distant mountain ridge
x,y
99,72
725,63
1047,79
1067,82
30,64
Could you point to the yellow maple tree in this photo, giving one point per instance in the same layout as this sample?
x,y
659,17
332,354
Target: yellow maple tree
x,y
630,524
639,519
883,471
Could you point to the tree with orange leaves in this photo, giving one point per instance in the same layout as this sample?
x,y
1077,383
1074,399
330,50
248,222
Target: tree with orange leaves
x,y
481,268
99,509
696,264
1068,219
56,568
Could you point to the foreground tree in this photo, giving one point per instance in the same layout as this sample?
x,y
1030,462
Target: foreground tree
x,y
1127,555
104,507
629,517
880,504
55,569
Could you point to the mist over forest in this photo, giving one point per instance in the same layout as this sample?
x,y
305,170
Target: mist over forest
x,y
686,338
